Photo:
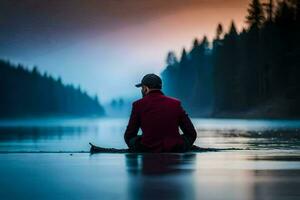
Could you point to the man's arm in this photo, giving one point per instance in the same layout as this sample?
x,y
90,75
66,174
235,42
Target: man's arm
x,y
187,127
132,127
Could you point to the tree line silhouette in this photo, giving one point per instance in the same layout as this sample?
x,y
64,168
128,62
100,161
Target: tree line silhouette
x,y
27,93
254,72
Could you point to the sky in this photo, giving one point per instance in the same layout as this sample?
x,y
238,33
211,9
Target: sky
x,y
106,46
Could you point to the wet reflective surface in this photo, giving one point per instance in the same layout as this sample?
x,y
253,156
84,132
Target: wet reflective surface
x,y
268,168
74,134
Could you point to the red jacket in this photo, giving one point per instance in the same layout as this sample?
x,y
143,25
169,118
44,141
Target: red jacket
x,y
159,117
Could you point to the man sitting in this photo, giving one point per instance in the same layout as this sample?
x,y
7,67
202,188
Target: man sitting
x,y
159,118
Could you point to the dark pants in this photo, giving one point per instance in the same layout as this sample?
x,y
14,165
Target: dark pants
x,y
137,146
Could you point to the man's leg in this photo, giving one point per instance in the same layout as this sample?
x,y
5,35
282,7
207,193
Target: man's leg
x,y
135,144
182,148
187,144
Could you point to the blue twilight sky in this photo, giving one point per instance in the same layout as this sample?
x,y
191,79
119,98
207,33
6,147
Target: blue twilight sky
x,y
106,46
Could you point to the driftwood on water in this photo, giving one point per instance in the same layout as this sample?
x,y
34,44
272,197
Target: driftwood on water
x,y
194,149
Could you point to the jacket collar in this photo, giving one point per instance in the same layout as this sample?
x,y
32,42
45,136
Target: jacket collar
x,y
154,92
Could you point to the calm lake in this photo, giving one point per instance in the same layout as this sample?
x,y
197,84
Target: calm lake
x,y
49,159
74,134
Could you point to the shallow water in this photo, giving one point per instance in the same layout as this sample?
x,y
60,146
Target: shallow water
x,y
267,168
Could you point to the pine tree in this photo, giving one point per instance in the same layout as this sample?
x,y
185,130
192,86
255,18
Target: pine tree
x,y
184,57
219,31
255,17
269,10
233,31
298,11
195,43
205,43
171,59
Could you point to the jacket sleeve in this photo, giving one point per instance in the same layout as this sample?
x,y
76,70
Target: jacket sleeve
x,y
132,127
187,127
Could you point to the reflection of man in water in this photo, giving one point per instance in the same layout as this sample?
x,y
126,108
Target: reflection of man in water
x,y
159,118
174,173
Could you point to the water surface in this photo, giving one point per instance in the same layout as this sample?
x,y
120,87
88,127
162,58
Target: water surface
x,y
268,167
74,134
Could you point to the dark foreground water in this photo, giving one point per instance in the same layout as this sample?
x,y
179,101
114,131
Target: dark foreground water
x,y
49,159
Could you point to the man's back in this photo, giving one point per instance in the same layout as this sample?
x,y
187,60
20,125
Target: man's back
x,y
160,117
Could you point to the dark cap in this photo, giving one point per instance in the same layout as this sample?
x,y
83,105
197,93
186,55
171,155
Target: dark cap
x,y
152,81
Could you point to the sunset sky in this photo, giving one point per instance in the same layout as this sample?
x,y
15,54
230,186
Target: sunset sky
x,y
107,45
